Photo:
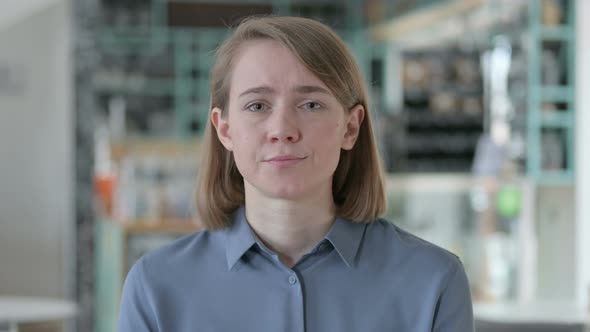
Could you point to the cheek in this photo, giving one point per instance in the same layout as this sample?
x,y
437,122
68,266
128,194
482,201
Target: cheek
x,y
244,163
243,132
244,149
327,141
330,133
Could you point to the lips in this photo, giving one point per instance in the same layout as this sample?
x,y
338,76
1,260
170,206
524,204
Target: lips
x,y
284,157
284,161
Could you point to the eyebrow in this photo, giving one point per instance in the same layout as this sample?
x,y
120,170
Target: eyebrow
x,y
258,89
298,89
311,89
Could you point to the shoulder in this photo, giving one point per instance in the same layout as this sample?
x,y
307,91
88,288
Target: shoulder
x,y
194,251
403,248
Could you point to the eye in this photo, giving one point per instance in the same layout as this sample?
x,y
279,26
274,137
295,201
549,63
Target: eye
x,y
312,105
256,107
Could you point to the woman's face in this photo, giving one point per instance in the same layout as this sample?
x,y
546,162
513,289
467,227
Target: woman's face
x,y
284,126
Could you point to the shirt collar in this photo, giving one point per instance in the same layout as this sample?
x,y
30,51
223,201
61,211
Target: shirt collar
x,y
344,235
239,238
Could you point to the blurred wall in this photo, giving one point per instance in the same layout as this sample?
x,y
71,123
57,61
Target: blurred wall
x,y
36,138
583,151
15,10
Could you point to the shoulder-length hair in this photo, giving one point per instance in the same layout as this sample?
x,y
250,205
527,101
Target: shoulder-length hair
x,y
357,185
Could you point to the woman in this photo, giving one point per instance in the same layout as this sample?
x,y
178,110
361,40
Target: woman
x,y
290,195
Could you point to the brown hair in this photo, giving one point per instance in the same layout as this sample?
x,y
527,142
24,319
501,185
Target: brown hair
x,y
358,187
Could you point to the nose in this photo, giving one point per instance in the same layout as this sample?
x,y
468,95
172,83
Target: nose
x,y
283,126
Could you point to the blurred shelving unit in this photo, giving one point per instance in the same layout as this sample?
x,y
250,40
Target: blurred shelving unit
x,y
551,96
541,41
543,90
148,206
443,110
551,155
157,65
434,126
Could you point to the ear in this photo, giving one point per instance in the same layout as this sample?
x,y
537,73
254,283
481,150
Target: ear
x,y
221,125
353,125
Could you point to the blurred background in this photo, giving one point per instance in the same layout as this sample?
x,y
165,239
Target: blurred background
x,y
481,106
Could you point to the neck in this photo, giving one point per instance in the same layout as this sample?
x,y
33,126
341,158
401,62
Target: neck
x,y
291,228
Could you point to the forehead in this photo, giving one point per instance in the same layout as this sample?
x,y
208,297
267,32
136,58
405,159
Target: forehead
x,y
269,63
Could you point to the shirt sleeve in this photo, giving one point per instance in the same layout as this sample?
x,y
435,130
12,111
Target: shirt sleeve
x,y
136,313
454,310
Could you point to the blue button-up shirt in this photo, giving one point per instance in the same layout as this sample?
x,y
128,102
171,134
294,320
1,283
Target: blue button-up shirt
x,y
361,277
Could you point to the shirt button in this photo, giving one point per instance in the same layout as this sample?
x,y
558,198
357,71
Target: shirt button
x,y
292,280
